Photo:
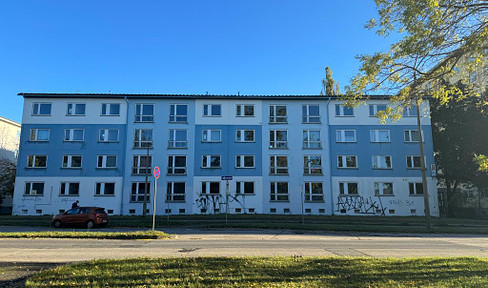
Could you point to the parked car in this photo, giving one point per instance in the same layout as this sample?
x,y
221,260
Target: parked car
x,y
88,217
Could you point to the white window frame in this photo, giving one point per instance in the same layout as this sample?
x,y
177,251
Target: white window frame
x,y
35,133
308,168
373,109
345,188
381,191
173,169
207,159
307,118
307,143
104,159
31,184
141,170
410,111
37,112
108,108
275,195
143,118
135,196
209,108
241,110
33,159
274,169
103,189
205,185
379,162
310,196
207,136
341,136
339,111
174,117
103,135
72,111
415,191
410,133
277,119
241,188
374,135
241,161
278,144
68,162
67,189
72,134
172,142
411,162
344,161
140,144
170,192
241,135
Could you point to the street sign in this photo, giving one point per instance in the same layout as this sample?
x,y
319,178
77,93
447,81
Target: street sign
x,y
157,172
226,177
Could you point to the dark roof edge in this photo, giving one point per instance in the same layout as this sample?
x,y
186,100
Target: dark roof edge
x,y
186,96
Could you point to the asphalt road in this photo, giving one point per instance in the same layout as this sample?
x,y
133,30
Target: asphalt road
x,y
193,243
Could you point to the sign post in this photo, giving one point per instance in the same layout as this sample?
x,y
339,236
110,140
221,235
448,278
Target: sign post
x,y
226,178
157,172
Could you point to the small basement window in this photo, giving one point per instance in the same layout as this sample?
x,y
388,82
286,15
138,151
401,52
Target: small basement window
x,y
251,210
308,210
391,211
38,211
238,210
181,211
132,211
167,211
286,210
272,210
110,211
322,211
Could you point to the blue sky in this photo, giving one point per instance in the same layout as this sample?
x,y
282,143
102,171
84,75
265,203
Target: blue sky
x,y
250,46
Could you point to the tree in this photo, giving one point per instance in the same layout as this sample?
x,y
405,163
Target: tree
x,y
7,178
438,38
329,85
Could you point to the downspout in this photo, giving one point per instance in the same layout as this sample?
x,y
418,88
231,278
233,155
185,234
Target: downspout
x,y
330,159
125,153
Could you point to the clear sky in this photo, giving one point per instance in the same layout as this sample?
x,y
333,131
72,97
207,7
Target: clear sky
x,y
151,46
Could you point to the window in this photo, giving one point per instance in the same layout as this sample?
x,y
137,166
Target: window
x,y
244,187
178,113
244,135
37,161
278,139
311,139
139,164
34,188
76,109
210,188
39,134
244,110
177,138
107,161
383,188
279,191
379,136
348,188
381,162
411,135
175,192
108,135
277,114
212,110
211,161
71,161
278,164
245,161
312,165
144,112
138,191
341,110
41,109
176,164
413,162
110,109
310,114
416,188
314,192
347,161
410,111
375,108
345,135
211,135
74,135
143,138
69,188
105,189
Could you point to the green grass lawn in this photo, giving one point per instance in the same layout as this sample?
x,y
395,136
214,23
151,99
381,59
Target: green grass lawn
x,y
87,234
269,272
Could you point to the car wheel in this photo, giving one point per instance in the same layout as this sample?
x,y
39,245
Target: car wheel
x,y
57,224
90,224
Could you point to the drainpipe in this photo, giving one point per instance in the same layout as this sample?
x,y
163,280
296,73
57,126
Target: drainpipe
x,y
330,159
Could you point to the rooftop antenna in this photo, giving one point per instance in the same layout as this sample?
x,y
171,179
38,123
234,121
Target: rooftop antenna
x,y
238,93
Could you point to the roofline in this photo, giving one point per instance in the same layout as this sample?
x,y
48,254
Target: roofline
x,y
6,120
189,96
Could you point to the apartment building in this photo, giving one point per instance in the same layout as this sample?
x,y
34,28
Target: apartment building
x,y
286,154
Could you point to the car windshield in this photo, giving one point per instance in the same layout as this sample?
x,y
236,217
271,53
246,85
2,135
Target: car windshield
x,y
99,210
72,211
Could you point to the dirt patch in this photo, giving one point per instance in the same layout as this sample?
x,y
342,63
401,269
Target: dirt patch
x,y
14,274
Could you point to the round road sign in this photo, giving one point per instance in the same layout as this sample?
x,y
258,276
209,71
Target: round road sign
x,y
157,172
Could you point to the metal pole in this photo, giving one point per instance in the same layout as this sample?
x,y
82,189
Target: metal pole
x,y
146,186
226,200
154,205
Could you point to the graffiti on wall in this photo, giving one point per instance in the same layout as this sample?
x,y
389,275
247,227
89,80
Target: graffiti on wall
x,y
217,202
360,205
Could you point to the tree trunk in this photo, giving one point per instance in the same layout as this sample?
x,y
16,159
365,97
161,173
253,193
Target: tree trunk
x,y
422,164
